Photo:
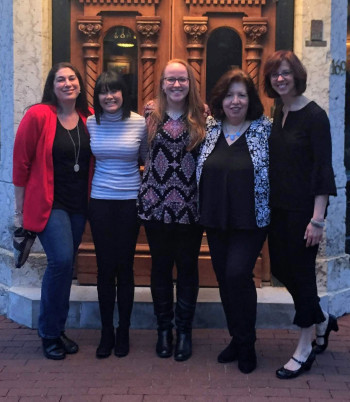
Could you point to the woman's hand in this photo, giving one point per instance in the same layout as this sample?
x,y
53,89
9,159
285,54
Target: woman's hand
x,y
313,235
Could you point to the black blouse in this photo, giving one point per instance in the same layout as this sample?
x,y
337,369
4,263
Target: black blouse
x,y
300,158
70,187
227,187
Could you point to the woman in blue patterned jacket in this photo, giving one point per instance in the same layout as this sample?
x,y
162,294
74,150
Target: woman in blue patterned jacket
x,y
232,175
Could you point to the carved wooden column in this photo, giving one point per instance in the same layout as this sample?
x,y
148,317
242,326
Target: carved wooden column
x,y
148,28
254,28
90,26
195,28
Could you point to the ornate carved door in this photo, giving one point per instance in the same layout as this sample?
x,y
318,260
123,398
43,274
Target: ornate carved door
x,y
138,37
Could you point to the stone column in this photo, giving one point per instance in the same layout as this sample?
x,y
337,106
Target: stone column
x,y
254,28
195,28
25,36
326,86
148,28
91,27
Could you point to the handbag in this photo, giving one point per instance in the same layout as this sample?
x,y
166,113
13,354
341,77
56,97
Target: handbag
x,y
22,242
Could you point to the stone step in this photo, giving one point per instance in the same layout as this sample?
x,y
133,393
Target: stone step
x,y
275,308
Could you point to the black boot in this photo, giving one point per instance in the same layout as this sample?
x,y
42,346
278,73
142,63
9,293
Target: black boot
x,y
121,342
164,310
164,347
184,313
183,348
106,343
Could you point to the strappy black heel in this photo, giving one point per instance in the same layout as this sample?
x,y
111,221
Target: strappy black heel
x,y
332,326
285,374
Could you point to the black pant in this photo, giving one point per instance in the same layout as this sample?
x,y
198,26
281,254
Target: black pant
x,y
233,254
293,263
114,228
174,244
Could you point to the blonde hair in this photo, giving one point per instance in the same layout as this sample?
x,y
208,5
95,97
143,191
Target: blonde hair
x,y
194,109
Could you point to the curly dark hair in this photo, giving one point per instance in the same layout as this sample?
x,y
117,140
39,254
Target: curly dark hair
x,y
255,107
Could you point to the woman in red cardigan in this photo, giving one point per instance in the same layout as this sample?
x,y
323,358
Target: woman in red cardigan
x,y
51,170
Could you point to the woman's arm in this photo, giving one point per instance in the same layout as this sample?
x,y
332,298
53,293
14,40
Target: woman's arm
x,y
19,198
314,230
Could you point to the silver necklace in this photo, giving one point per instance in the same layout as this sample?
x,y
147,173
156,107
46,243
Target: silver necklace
x,y
232,136
76,166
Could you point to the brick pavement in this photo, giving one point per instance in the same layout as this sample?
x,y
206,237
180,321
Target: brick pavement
x,y
25,375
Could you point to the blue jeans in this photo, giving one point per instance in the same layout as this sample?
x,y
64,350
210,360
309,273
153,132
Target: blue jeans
x,y
60,240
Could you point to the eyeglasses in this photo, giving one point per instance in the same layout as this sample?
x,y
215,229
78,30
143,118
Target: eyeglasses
x,y
180,80
283,74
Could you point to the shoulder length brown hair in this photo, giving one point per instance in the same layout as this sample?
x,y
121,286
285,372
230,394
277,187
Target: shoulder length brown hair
x,y
273,63
194,109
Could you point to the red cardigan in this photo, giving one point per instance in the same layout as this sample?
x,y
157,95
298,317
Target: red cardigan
x,y
33,164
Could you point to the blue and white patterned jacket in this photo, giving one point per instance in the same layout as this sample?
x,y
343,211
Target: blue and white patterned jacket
x,y
257,137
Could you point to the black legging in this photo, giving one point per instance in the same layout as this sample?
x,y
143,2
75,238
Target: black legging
x,y
174,244
114,228
233,254
294,264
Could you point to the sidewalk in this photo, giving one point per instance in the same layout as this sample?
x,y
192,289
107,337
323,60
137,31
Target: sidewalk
x,y
25,375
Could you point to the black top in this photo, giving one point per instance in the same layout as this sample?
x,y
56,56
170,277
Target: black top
x,y
227,187
300,158
70,187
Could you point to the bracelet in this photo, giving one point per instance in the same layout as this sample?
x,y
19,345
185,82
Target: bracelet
x,y
317,224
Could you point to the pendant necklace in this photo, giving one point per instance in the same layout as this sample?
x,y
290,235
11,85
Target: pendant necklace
x,y
76,153
233,135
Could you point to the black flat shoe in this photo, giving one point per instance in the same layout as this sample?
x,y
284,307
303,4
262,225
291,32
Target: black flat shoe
x,y
121,342
69,346
331,326
53,349
183,348
229,354
285,374
164,347
106,343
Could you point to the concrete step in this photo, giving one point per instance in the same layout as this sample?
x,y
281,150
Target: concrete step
x,y
275,308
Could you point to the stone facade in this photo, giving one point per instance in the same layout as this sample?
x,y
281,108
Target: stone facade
x,y
24,63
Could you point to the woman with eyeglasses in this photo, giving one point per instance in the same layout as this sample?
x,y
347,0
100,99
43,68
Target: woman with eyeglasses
x,y
168,204
301,179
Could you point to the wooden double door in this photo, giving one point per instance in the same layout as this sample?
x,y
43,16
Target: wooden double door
x,y
138,37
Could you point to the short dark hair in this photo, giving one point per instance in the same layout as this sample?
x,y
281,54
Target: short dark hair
x,y
273,63
111,81
49,96
255,107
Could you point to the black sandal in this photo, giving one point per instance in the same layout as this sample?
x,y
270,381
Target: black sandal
x,y
331,326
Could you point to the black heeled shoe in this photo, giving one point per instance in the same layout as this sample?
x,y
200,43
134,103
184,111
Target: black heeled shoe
x,y
164,347
331,326
229,354
183,348
69,346
285,374
53,349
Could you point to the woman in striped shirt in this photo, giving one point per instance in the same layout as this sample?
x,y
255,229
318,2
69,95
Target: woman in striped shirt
x,y
118,142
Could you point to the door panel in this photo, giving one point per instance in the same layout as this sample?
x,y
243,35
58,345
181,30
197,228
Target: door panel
x,y
168,29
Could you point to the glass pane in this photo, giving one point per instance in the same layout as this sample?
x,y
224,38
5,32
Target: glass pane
x,y
224,51
120,54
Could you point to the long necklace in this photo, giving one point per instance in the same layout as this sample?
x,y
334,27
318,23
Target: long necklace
x,y
76,166
235,135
